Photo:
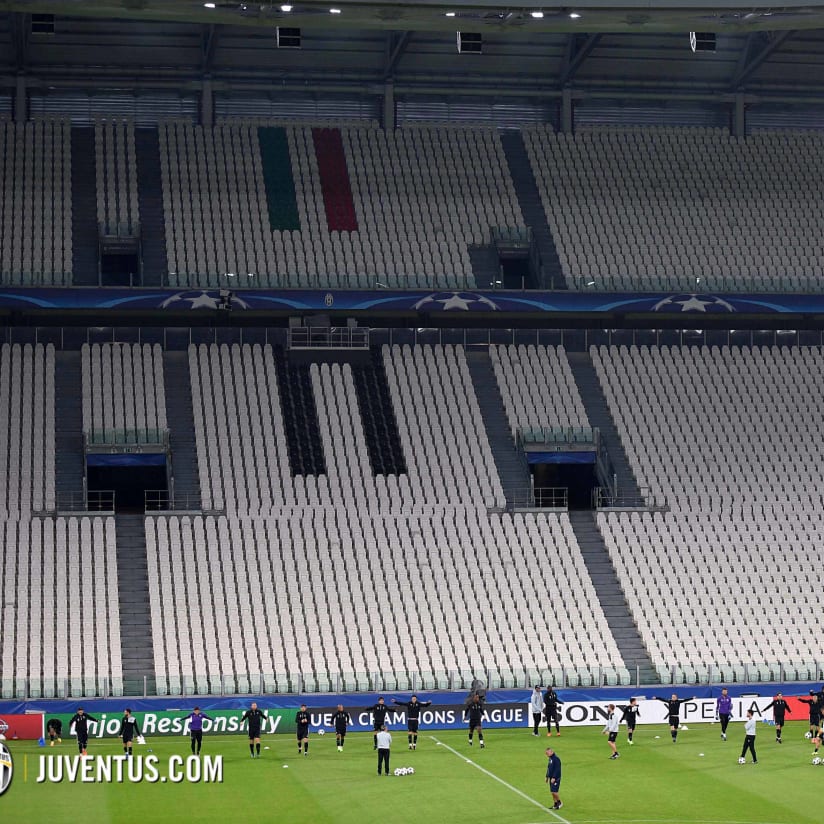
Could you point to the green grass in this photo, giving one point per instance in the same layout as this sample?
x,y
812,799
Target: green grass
x,y
654,782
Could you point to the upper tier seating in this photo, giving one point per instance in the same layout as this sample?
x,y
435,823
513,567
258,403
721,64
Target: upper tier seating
x,y
537,387
35,203
344,607
123,391
731,438
53,637
26,428
421,196
720,428
242,450
684,210
116,176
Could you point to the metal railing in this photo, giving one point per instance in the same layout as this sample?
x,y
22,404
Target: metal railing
x,y
536,435
603,498
127,437
328,337
92,500
548,497
164,500
407,680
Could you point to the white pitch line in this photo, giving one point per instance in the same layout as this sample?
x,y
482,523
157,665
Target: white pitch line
x,y
501,781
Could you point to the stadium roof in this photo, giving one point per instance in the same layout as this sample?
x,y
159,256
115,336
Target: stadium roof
x,y
436,15
609,47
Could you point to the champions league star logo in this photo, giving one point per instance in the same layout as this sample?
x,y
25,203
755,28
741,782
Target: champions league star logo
x,y
6,768
693,303
457,301
201,299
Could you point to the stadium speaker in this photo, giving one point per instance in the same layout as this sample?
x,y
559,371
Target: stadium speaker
x,y
288,38
470,42
702,41
42,24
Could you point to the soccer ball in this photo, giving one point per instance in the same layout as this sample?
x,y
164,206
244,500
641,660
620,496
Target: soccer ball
x,y
816,761
397,771
808,734
410,770
321,732
742,760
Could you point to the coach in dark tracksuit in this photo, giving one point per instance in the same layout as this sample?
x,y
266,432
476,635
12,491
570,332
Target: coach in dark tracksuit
x,y
553,777
779,707
551,713
81,728
378,711
474,711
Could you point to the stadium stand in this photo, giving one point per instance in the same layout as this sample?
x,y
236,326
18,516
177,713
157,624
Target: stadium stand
x,y
477,574
729,434
538,387
51,636
116,176
123,392
26,428
35,203
682,209
348,206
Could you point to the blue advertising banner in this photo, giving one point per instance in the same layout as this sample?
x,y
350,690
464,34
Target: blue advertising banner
x,y
419,301
503,708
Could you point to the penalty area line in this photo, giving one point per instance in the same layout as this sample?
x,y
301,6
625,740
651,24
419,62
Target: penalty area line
x,y
501,781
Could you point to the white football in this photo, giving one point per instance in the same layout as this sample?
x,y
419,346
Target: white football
x,y
684,727
321,732
397,772
410,770
742,760
816,761
808,734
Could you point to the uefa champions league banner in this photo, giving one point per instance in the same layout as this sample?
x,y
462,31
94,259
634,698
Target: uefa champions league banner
x,y
423,301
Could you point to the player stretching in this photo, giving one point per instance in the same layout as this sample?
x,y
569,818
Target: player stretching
x,y
255,718
674,713
611,728
54,728
551,711
195,719
341,720
815,713
302,724
413,716
80,721
723,710
630,714
378,711
129,728
779,708
474,711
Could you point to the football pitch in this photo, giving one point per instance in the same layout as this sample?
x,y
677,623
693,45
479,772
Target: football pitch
x,y
654,781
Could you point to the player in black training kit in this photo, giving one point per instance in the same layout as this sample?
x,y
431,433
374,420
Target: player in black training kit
x,y
81,728
54,728
551,712
129,728
341,720
779,708
815,713
378,711
302,723
631,714
674,712
413,716
255,718
474,711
